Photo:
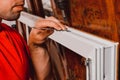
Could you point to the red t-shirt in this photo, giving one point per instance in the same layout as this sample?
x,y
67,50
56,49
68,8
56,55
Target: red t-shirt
x,y
14,58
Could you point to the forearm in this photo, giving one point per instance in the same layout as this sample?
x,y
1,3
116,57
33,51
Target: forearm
x,y
41,61
39,54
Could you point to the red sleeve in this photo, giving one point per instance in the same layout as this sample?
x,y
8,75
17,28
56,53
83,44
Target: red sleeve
x,y
14,58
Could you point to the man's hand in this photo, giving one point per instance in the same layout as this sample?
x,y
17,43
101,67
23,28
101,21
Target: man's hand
x,y
38,36
43,28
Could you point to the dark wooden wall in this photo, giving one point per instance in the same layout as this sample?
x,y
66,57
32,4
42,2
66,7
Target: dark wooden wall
x,y
98,17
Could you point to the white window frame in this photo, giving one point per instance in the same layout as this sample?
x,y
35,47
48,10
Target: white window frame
x,y
101,54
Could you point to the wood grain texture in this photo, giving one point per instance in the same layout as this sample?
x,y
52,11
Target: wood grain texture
x,y
93,16
76,65
35,7
98,17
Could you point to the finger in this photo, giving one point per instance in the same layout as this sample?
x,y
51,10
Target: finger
x,y
39,36
50,22
44,35
47,23
57,22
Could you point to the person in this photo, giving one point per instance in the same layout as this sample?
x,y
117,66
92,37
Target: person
x,y
15,54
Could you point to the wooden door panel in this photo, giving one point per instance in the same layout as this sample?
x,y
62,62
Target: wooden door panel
x,y
98,17
94,16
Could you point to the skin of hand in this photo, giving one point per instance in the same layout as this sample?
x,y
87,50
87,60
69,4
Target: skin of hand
x,y
39,54
50,22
